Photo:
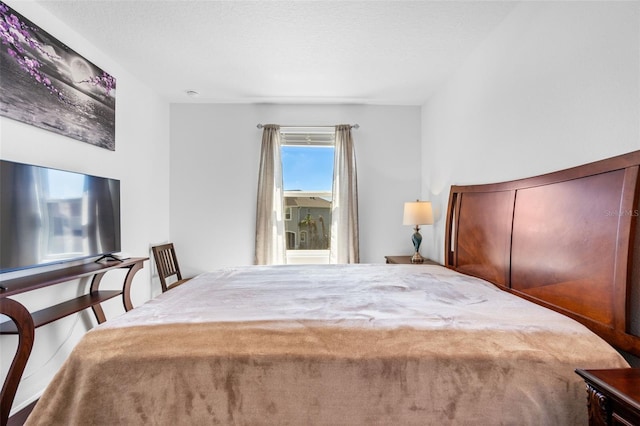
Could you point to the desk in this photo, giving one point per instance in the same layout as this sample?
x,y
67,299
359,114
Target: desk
x,y
23,323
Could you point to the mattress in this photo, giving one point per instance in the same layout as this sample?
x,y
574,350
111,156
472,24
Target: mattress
x,y
329,345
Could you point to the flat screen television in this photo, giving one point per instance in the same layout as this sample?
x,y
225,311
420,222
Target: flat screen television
x,y
50,216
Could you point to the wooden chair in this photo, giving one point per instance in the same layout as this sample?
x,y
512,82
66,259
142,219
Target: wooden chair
x,y
168,268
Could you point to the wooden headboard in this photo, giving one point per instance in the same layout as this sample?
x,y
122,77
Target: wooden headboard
x,y
565,240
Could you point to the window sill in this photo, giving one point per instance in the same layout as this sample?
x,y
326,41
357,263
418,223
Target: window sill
x,y
299,257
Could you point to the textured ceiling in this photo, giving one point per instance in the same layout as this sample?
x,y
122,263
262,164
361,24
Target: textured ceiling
x,y
372,52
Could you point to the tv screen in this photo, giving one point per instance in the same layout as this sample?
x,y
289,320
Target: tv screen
x,y
52,216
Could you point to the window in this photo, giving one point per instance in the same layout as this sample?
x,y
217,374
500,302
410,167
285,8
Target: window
x,y
302,159
307,171
291,240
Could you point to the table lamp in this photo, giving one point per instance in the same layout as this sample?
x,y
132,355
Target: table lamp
x,y
417,213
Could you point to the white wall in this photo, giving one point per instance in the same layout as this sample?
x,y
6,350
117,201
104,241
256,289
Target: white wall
x,y
215,150
140,161
554,86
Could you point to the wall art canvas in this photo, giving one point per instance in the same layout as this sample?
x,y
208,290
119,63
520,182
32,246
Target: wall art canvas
x,y
46,84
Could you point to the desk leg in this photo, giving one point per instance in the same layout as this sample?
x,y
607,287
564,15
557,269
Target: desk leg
x,y
26,331
97,309
126,288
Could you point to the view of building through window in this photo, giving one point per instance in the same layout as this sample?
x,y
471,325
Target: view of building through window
x,y
307,171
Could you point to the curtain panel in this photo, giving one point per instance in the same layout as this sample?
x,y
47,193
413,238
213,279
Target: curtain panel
x,y
345,247
270,242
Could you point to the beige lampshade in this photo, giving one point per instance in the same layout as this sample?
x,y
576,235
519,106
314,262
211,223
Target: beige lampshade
x,y
418,213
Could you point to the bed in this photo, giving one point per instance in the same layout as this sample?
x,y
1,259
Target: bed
x,y
539,279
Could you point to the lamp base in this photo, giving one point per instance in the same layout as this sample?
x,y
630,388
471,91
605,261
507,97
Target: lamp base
x,y
416,258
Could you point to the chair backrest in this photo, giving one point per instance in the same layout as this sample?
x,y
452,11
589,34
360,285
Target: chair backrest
x,y
167,264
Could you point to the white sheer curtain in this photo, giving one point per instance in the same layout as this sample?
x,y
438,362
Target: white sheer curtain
x,y
270,248
345,247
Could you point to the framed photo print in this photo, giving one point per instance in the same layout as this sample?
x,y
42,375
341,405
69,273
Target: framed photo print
x,y
46,84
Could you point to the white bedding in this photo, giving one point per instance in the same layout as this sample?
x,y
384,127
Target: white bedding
x,y
328,345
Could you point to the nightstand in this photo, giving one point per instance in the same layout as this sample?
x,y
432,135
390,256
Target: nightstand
x,y
613,396
407,260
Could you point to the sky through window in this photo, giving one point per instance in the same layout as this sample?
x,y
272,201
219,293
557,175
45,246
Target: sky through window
x,y
307,168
